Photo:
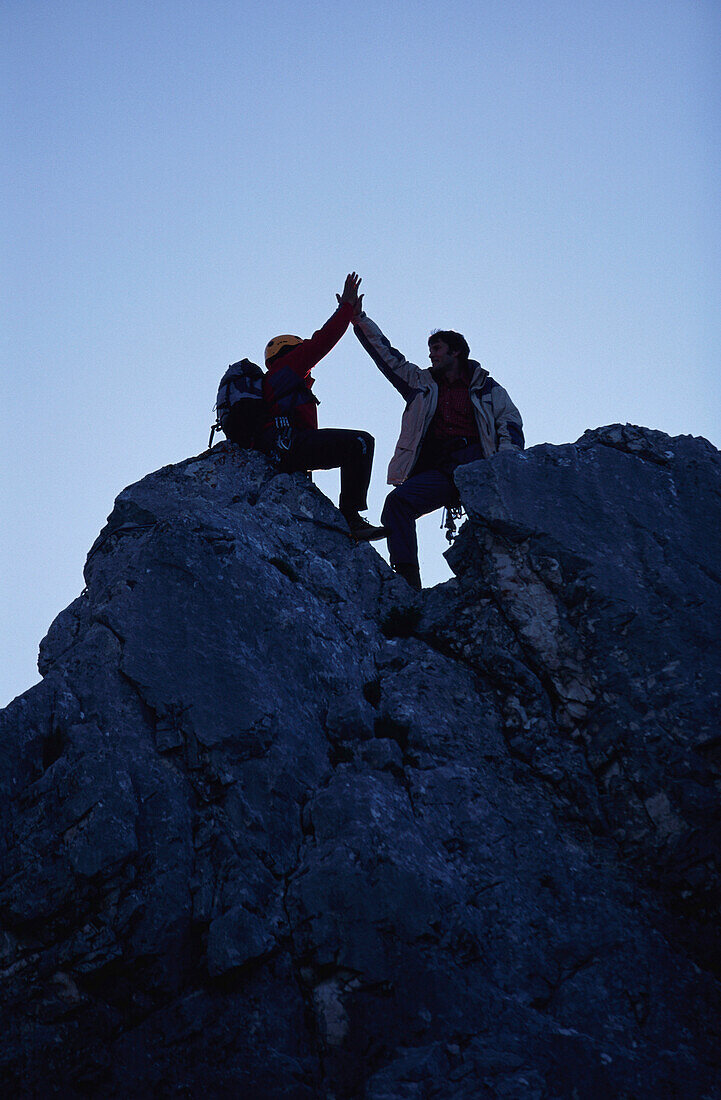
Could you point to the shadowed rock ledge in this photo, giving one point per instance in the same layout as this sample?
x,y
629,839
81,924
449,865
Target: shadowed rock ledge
x,y
274,826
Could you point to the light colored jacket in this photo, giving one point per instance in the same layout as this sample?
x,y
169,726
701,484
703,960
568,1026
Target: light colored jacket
x,y
498,420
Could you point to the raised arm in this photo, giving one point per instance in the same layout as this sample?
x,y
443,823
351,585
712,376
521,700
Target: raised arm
x,y
308,353
405,376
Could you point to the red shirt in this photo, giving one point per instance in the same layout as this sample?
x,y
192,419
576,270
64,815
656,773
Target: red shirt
x,y
303,357
454,416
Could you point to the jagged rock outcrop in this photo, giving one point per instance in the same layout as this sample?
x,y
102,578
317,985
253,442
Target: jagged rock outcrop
x,y
273,826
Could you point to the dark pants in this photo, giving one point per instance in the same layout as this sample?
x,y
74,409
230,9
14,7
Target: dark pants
x,y
425,490
328,448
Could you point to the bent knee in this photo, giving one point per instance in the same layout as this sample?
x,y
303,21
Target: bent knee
x,y
394,505
366,442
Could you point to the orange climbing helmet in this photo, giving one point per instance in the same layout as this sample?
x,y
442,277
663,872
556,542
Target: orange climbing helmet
x,y
278,343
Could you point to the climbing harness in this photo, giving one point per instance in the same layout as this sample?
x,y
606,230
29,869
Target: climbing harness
x,y
452,514
283,438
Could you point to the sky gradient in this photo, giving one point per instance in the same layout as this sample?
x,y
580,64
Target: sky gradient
x,y
187,179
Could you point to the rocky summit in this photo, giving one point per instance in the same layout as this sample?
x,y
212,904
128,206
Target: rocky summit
x,y
276,826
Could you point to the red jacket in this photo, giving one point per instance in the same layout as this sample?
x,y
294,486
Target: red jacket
x,y
300,361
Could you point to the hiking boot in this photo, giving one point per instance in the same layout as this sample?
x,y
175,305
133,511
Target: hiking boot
x,y
363,531
411,574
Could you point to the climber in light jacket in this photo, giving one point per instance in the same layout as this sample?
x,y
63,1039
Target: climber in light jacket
x,y
455,413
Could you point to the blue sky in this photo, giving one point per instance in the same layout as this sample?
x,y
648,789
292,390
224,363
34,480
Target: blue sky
x,y
187,179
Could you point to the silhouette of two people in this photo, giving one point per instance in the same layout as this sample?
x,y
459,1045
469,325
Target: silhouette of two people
x,y
455,413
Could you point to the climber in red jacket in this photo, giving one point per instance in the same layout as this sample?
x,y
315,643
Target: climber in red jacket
x,y
291,432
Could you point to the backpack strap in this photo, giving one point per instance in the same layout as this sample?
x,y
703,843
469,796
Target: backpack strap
x,y
285,391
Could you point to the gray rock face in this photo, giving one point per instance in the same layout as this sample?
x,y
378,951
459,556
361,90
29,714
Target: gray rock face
x,y
275,826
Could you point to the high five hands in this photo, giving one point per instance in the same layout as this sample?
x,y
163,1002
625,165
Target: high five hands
x,y
350,294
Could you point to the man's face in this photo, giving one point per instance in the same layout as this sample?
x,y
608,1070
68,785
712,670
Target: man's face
x,y
441,356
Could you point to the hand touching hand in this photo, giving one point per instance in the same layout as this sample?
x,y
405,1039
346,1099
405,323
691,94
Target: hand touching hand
x,y
350,292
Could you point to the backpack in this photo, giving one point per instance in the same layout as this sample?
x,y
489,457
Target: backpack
x,y
240,408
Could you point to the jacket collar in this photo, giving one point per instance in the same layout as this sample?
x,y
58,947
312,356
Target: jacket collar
x,y
479,374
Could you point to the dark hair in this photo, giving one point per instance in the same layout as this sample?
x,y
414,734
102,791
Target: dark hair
x,y
454,340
